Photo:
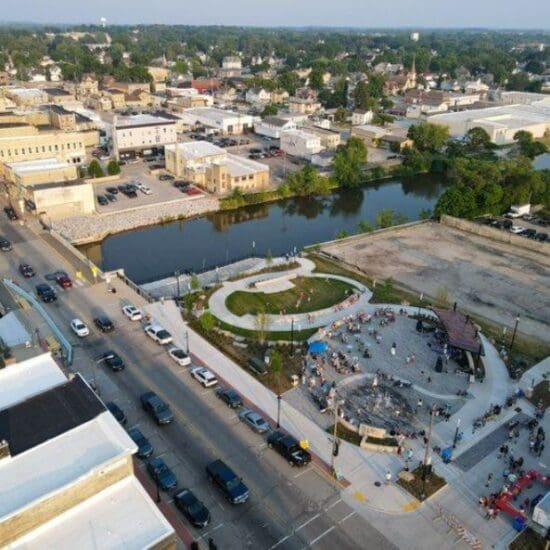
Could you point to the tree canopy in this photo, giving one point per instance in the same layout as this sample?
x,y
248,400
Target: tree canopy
x,y
349,162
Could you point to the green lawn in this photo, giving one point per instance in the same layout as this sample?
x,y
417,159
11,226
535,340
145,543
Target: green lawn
x,y
308,294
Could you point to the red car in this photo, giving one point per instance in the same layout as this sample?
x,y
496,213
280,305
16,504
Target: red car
x,y
63,280
193,191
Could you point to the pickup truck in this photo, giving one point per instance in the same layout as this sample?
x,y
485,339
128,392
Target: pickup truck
x,y
158,334
225,478
289,448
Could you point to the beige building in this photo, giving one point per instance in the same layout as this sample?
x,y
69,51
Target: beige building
x,y
303,106
33,172
329,139
212,168
58,96
69,481
26,97
87,86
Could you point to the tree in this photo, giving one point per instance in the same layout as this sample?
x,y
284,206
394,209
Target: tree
x,y
477,141
364,226
95,170
342,234
340,116
425,214
208,321
113,168
428,137
349,161
269,110
289,81
180,67
276,367
527,146
195,283
261,325
362,98
316,79
459,202
388,218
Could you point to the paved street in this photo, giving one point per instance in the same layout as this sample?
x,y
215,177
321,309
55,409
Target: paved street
x,y
287,508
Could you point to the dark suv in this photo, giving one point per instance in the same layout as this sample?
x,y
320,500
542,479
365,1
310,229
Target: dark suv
x,y
230,397
228,482
156,407
104,324
288,447
46,293
145,449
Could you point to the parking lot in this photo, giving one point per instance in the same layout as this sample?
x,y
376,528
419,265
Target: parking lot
x,y
137,171
529,226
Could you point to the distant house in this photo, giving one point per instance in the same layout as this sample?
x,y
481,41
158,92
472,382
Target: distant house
x,y
279,96
303,106
258,96
273,127
360,117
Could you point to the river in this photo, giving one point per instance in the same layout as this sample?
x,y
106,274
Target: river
x,y
152,253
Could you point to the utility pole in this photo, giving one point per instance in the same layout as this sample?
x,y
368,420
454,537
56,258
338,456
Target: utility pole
x,y
514,334
427,458
335,443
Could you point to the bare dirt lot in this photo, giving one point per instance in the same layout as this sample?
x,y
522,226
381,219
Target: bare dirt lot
x,y
495,280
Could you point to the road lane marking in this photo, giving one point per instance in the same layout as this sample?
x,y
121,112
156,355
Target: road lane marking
x,y
322,535
278,543
212,530
307,522
333,505
302,473
351,514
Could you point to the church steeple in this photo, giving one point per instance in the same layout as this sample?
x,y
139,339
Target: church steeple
x,y
412,72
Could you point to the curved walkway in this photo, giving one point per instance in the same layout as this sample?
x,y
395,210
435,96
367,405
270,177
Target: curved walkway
x,y
301,321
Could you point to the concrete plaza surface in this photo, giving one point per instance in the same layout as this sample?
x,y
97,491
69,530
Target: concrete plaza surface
x,y
492,279
412,525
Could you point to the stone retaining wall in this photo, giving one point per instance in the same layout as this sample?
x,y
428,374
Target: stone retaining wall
x,y
495,234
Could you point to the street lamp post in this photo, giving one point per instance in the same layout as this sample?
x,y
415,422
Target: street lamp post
x,y
455,439
292,337
427,459
335,442
279,397
514,334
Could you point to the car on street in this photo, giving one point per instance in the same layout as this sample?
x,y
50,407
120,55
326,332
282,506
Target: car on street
x,y
542,237
230,397
112,190
253,420
145,449
192,508
104,324
80,328
111,197
144,188
26,270
117,412
102,200
289,448
204,376
181,184
516,229
529,233
161,474
113,361
179,356
63,280
191,191
132,312
5,244
158,334
10,213
227,481
30,205
166,177
46,293
156,407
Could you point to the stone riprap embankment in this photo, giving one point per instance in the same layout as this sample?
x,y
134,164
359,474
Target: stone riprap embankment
x,y
93,228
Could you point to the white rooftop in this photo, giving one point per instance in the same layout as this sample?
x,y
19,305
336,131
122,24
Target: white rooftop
x,y
26,92
60,462
29,166
27,378
214,114
299,133
240,166
121,516
140,120
377,130
196,149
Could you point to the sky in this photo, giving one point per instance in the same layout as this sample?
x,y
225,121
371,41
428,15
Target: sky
x,y
351,13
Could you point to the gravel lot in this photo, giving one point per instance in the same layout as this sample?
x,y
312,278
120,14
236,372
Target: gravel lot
x,y
491,279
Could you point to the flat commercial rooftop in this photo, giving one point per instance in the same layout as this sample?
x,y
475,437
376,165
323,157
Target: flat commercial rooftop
x,y
60,461
121,516
29,166
31,377
491,279
240,166
196,149
142,120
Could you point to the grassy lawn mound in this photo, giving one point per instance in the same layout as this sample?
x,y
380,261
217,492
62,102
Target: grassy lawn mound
x,y
415,486
308,294
528,539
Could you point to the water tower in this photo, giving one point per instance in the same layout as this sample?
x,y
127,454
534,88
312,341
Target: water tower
x,y
103,22
415,36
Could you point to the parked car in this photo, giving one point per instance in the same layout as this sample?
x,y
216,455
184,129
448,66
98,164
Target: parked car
x,y
26,270
30,206
166,177
193,191
116,411
113,361
181,185
112,190
111,197
104,324
289,448
529,233
204,376
542,237
192,508
162,475
63,280
80,328
158,334
230,397
253,420
46,293
156,407
179,356
102,200
145,449
132,312
258,366
517,229
5,244
10,213
227,481
144,188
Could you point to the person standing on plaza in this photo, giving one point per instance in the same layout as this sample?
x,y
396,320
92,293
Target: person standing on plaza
x,y
489,478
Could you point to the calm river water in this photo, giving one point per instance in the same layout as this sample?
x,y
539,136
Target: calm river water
x,y
155,252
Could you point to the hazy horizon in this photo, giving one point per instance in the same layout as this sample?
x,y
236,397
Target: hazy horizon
x,y
406,14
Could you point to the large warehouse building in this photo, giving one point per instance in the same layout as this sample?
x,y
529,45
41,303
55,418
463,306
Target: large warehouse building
x,y
501,123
